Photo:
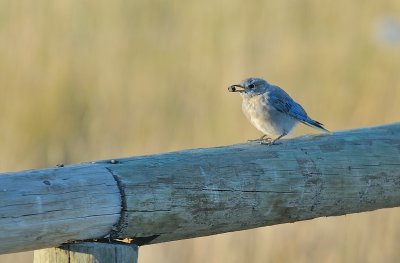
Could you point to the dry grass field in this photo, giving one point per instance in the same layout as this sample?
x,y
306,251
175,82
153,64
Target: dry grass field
x,y
86,80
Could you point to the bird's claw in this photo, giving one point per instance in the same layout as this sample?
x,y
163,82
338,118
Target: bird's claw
x,y
263,141
267,141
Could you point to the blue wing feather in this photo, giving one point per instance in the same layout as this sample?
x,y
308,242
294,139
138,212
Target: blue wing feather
x,y
282,102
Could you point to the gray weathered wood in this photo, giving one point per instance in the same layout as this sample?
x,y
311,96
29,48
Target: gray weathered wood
x,y
88,252
45,208
207,191
202,192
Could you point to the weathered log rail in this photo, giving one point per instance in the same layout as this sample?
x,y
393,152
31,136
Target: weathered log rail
x,y
200,192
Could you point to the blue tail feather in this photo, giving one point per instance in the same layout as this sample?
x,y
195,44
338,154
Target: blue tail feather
x,y
315,124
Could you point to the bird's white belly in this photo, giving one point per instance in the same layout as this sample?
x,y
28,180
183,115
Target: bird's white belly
x,y
266,118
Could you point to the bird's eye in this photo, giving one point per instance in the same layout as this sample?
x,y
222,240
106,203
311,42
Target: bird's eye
x,y
251,86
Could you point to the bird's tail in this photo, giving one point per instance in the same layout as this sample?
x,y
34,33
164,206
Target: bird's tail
x,y
315,124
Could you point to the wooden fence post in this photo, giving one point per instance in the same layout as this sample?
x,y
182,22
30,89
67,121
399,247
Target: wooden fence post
x,y
88,252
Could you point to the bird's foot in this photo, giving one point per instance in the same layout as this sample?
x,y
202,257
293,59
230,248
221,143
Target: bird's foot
x,y
267,141
263,140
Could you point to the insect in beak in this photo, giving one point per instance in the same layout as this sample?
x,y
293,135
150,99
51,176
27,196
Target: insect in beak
x,y
234,88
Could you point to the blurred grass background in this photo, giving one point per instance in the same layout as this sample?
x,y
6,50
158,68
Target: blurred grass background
x,y
86,80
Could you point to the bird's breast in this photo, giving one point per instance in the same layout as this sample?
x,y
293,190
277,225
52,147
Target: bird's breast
x,y
255,107
265,117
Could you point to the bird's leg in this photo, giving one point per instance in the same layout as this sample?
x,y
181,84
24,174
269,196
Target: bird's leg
x,y
280,136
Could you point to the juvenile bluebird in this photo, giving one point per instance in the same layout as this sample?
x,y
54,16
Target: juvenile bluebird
x,y
271,110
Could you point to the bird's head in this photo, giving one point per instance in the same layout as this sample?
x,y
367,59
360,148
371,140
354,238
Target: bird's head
x,y
250,87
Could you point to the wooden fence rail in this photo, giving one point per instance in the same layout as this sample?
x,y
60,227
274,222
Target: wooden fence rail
x,y
200,192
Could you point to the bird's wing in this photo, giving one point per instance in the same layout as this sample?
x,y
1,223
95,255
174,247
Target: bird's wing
x,y
282,102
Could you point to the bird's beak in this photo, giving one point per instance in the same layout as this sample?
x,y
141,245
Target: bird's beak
x,y
234,88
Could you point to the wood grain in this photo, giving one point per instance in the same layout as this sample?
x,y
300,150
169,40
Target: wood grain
x,y
45,208
208,191
88,252
192,193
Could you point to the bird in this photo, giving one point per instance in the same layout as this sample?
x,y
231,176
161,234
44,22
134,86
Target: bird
x,y
271,110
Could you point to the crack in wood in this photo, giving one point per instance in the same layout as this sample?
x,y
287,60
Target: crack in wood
x,y
235,190
122,223
150,211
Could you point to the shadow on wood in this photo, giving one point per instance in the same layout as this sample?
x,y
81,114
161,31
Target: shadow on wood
x,y
88,252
